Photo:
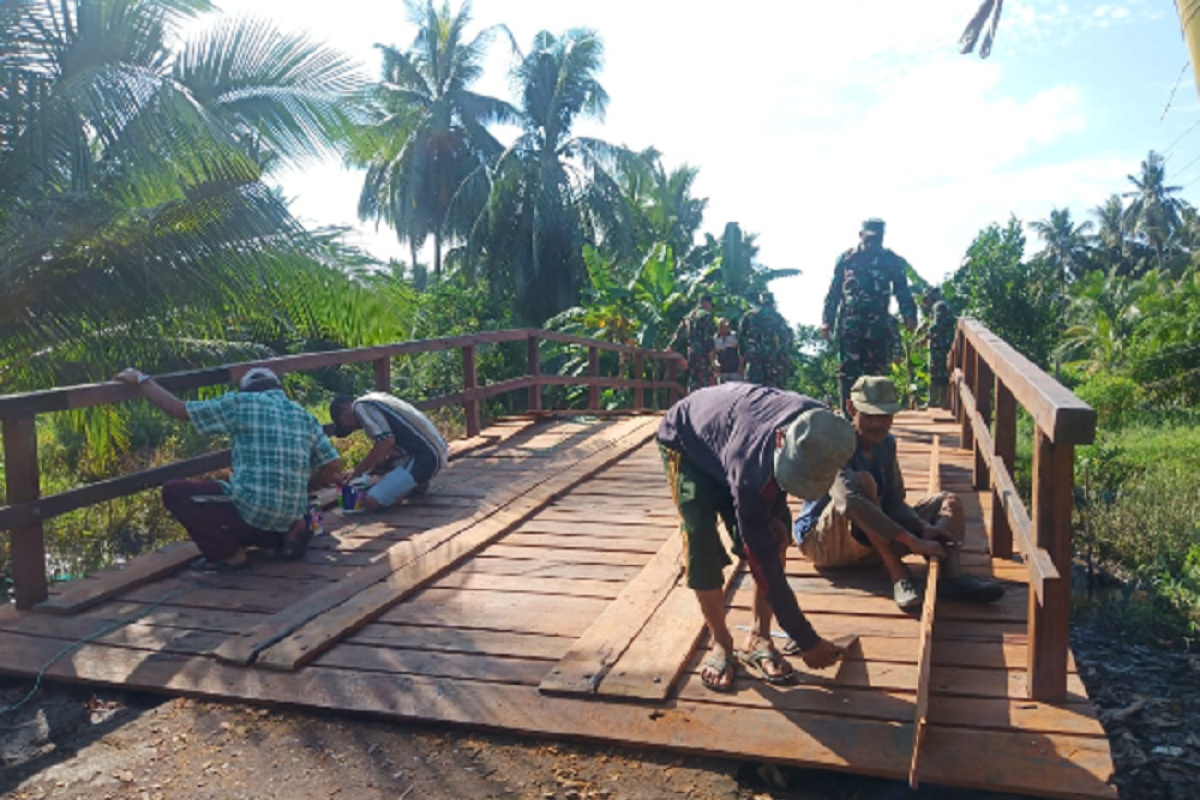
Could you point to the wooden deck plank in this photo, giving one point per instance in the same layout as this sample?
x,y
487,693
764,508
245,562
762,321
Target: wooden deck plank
x,y
586,665
417,563
114,581
301,643
499,611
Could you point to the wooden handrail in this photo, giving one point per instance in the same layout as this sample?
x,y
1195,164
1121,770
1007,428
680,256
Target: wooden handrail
x,y
992,378
1058,412
27,509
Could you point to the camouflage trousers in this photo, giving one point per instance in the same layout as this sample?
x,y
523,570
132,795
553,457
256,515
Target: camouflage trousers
x,y
769,372
863,350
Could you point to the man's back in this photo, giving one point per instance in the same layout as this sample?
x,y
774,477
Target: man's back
x,y
274,444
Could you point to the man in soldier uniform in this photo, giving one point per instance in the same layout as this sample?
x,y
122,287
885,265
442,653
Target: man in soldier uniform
x,y
856,307
694,340
767,342
942,324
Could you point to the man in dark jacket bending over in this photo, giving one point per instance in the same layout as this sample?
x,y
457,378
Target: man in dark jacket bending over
x,y
736,451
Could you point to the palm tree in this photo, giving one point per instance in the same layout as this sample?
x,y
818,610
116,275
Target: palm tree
x,y
662,202
1153,214
1066,244
429,134
551,191
133,215
1110,223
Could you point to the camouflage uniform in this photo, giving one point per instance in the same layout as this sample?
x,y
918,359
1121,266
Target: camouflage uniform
x,y
856,308
694,340
766,341
941,337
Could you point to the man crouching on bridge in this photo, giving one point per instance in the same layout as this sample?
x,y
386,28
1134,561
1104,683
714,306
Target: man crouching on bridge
x,y
277,445
737,450
408,448
865,521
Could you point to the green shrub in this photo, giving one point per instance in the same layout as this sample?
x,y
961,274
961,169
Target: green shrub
x,y
1115,398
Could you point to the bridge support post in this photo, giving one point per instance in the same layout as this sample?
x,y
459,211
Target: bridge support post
x,y
383,374
1006,450
533,368
983,390
470,381
966,432
23,485
593,376
639,373
1049,620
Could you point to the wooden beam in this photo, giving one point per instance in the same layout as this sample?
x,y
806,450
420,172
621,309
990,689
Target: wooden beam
x,y
984,390
593,375
589,660
925,635
924,665
116,581
1063,416
1050,612
23,485
639,373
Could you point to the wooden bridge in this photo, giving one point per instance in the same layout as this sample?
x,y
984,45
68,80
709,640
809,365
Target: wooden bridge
x,y
536,589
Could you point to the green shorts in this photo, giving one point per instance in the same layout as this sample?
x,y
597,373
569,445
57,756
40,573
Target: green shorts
x,y
701,499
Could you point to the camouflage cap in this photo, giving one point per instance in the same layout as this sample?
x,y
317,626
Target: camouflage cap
x,y
873,226
875,394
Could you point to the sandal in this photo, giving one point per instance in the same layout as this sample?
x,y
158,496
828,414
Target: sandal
x,y
207,565
720,665
296,541
755,662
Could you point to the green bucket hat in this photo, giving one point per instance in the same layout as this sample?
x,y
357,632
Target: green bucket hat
x,y
875,395
814,448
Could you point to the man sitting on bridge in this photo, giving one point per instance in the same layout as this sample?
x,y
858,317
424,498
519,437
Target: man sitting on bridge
x,y
736,450
403,436
864,520
276,446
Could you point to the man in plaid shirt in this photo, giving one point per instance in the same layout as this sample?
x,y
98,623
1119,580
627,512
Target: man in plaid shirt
x,y
280,451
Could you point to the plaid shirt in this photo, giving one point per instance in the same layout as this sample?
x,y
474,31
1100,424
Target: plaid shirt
x,y
276,446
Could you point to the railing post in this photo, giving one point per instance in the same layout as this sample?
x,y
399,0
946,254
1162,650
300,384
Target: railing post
x,y
639,372
23,485
593,374
1049,620
967,435
470,381
383,374
1005,438
673,379
533,368
984,388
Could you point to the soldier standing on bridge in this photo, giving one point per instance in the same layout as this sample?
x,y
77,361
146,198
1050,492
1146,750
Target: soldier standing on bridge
x,y
694,339
767,342
856,307
942,323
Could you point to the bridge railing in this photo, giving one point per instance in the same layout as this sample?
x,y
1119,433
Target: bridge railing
x,y
991,379
27,510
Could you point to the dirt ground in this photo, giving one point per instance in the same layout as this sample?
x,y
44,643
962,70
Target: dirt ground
x,y
75,742
101,745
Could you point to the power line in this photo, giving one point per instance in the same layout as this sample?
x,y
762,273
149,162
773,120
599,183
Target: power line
x,y
1173,90
1178,139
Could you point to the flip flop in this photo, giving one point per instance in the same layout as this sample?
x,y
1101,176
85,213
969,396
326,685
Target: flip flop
x,y
754,662
719,665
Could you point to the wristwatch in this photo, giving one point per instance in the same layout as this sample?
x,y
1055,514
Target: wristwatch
x,y
142,378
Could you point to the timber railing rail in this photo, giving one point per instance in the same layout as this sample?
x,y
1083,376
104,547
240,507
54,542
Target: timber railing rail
x,y
991,379
27,509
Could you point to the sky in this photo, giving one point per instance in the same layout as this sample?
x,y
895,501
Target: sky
x,y
804,119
